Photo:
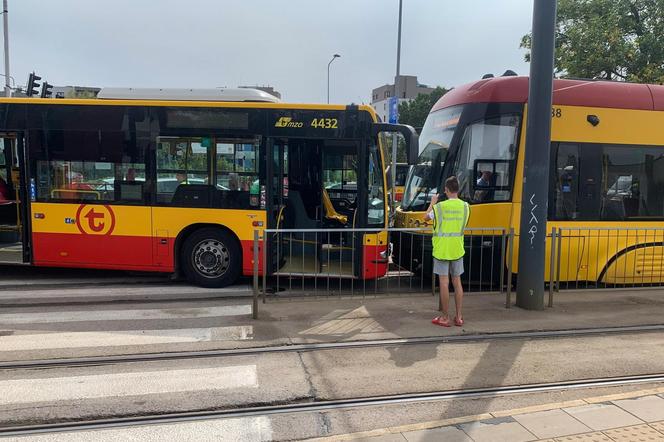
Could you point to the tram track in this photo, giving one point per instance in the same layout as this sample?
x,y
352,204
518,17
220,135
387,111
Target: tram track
x,y
329,405
323,346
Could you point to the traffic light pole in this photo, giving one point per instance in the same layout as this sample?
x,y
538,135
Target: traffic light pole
x,y
535,195
5,19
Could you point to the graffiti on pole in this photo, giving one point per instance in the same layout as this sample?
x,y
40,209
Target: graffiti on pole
x,y
533,222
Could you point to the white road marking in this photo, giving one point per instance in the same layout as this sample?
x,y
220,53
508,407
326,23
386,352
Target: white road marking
x,y
43,341
245,429
117,291
123,315
22,391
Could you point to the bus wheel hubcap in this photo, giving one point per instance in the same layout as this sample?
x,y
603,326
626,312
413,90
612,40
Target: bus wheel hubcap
x,y
211,258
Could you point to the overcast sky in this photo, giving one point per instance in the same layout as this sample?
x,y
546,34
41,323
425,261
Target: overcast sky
x,y
282,43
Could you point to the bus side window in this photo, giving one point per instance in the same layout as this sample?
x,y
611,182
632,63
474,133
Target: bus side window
x,y
181,161
237,172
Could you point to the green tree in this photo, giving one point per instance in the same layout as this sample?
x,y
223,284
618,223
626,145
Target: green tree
x,y
609,39
415,111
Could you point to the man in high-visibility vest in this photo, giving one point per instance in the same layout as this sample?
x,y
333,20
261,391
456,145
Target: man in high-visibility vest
x,y
449,221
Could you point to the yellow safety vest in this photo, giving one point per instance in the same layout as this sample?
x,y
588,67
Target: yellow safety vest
x,y
449,221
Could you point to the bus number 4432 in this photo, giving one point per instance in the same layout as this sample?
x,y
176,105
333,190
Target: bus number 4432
x,y
324,123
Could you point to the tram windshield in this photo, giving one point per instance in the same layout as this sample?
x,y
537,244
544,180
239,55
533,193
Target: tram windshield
x,y
435,139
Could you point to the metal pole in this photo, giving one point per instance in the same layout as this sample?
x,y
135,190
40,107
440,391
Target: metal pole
x,y
534,200
335,56
5,19
399,39
395,139
254,305
510,260
552,267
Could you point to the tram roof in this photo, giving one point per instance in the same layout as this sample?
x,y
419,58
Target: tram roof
x,y
591,93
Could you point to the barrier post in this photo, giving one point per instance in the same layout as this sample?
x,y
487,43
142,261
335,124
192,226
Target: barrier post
x,y
265,234
559,250
552,269
254,305
510,260
503,251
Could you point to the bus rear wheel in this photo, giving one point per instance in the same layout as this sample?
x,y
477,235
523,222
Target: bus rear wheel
x,y
211,258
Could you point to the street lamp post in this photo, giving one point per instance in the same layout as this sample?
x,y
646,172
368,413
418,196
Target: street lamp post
x,y
395,139
335,56
5,20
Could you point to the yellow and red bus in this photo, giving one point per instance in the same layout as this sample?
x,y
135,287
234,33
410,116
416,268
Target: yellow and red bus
x,y
177,181
607,173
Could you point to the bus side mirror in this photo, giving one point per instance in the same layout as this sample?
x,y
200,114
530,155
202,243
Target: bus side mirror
x,y
409,134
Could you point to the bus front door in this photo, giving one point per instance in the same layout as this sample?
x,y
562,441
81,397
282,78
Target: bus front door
x,y
13,230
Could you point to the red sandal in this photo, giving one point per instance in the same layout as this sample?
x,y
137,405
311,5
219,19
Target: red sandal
x,y
458,322
438,320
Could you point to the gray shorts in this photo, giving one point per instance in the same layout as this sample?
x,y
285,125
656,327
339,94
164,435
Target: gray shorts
x,y
444,268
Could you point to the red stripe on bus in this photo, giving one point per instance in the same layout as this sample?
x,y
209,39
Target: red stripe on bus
x,y
102,252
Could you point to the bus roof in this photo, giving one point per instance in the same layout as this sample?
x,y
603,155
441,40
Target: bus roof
x,y
591,93
220,94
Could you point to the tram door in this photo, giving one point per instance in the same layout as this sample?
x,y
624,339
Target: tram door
x,y
13,229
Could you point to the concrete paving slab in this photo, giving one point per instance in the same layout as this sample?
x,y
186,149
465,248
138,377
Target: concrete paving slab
x,y
552,423
647,408
497,430
659,426
447,434
602,416
635,433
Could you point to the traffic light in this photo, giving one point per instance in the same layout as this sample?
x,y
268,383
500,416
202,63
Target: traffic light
x,y
33,86
46,91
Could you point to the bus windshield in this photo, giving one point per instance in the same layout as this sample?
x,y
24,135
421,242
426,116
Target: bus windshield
x,y
435,140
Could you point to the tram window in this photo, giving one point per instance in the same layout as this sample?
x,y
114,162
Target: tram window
x,y
632,183
492,141
566,182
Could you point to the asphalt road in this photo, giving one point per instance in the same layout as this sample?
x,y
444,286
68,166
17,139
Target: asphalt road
x,y
101,317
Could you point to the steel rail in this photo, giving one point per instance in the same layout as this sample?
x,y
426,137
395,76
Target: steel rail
x,y
339,404
320,346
